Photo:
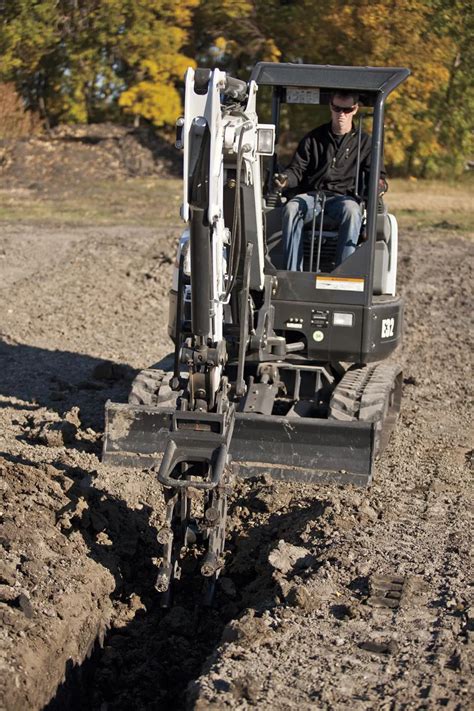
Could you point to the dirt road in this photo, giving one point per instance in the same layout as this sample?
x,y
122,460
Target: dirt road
x,y
82,309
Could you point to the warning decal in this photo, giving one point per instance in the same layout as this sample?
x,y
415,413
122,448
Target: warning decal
x,y
340,283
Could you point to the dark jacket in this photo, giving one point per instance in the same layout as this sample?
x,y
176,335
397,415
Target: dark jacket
x,y
318,164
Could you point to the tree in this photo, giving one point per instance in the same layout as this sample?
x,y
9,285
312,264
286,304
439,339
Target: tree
x,y
150,50
428,119
75,58
230,34
28,34
453,103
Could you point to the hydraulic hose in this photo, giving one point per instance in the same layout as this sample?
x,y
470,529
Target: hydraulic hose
x,y
236,243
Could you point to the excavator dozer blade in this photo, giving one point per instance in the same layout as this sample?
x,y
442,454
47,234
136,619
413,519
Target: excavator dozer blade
x,y
302,449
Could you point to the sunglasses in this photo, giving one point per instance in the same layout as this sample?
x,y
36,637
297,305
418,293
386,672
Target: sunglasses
x,y
342,109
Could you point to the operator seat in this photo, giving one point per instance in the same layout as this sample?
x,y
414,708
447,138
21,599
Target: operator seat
x,y
382,249
274,241
385,258
329,237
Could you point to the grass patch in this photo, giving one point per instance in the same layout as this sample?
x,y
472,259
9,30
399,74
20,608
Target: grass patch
x,y
153,201
134,201
430,203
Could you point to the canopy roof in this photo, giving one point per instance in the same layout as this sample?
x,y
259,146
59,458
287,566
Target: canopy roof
x,y
364,79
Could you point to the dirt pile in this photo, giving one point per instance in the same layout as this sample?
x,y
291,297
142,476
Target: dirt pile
x,y
75,153
54,598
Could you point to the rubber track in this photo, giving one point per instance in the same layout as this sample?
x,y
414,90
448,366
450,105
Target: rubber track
x,y
345,399
151,387
364,394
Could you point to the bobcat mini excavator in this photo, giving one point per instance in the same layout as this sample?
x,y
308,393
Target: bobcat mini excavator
x,y
273,371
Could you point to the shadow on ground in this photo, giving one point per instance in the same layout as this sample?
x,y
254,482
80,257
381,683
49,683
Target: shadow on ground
x,y
59,380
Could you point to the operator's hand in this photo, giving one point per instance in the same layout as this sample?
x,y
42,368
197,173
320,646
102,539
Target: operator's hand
x,y
383,187
280,181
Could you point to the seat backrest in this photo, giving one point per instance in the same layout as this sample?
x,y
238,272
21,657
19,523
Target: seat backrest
x,y
383,229
381,265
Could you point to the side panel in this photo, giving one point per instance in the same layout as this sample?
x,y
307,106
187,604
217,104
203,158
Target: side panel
x,y
307,313
314,322
383,328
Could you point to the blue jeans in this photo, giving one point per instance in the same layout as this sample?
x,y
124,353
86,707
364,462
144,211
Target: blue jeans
x,y
298,211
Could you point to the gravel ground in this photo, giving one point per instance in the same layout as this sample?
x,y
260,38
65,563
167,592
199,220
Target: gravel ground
x,y
298,621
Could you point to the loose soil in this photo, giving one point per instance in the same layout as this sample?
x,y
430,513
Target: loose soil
x,y
298,622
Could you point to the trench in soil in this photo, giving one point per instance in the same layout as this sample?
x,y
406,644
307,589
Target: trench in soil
x,y
148,664
150,661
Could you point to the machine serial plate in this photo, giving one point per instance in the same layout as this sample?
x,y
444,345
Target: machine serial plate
x,y
296,95
340,283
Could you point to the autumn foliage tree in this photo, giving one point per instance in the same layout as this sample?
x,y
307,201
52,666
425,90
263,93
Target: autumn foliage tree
x,y
230,34
429,125
78,60
426,37
153,58
90,60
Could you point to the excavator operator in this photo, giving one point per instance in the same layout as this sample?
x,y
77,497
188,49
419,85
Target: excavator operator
x,y
325,162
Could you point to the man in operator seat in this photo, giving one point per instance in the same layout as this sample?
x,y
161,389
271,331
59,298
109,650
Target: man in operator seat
x,y
326,160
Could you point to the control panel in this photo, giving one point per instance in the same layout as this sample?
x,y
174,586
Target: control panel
x,y
319,318
294,322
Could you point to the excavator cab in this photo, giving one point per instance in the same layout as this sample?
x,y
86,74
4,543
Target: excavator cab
x,y
348,312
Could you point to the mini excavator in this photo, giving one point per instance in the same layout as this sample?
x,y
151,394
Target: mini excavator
x,y
273,371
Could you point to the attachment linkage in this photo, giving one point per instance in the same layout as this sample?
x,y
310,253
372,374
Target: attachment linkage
x,y
195,474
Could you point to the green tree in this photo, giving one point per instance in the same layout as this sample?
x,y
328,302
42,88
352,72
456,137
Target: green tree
x,y
75,58
453,103
28,33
